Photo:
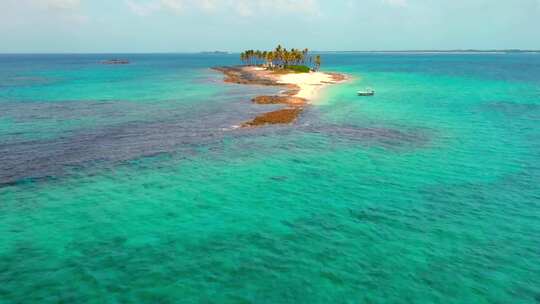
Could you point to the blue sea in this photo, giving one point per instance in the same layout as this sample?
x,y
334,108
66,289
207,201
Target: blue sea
x,y
131,184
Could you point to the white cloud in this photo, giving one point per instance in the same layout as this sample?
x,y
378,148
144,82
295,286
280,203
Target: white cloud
x,y
56,5
69,10
303,6
396,3
176,6
63,4
39,14
142,8
243,8
210,5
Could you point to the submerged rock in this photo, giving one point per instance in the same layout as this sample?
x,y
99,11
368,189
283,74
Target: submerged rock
x,y
279,100
282,116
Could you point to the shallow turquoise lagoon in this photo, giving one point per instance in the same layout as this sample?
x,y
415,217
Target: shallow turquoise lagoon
x,y
130,184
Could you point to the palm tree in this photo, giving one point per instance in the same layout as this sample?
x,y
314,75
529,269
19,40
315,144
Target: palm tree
x,y
244,57
279,54
280,57
294,56
263,56
304,55
297,57
269,58
318,62
250,54
260,57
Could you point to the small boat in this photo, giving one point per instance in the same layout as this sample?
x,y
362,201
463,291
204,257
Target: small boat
x,y
367,92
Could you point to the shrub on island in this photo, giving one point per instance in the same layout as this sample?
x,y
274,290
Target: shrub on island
x,y
299,68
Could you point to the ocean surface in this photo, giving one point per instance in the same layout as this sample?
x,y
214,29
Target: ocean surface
x,y
130,184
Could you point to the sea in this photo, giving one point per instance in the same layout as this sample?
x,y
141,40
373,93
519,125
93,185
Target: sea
x,y
133,184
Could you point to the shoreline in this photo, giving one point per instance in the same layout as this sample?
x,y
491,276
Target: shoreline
x,y
300,89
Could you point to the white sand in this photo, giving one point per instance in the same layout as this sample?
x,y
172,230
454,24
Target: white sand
x,y
310,83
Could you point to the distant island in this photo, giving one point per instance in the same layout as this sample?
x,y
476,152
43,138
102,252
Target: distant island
x,y
296,70
214,53
115,61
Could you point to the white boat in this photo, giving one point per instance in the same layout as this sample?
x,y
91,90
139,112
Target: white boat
x,y
367,92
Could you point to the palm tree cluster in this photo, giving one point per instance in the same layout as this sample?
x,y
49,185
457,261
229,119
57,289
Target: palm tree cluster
x,y
281,58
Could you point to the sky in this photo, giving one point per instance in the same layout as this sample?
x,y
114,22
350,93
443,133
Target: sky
x,y
109,26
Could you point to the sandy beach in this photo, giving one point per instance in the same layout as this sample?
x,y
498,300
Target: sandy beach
x,y
300,89
310,84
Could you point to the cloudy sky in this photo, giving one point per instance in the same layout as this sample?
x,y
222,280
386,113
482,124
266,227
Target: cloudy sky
x,y
232,25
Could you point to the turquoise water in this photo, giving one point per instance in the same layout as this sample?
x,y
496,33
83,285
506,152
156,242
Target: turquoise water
x,y
128,184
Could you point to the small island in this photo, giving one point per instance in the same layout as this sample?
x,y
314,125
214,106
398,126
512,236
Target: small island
x,y
115,61
214,53
297,71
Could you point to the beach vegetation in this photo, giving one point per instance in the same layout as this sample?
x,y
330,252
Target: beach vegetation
x,y
299,68
280,58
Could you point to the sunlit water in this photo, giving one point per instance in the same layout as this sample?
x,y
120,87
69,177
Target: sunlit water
x,y
129,183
